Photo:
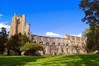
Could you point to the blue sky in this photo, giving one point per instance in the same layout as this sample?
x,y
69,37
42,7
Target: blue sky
x,y
45,16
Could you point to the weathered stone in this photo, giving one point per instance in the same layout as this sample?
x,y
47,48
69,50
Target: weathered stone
x,y
53,45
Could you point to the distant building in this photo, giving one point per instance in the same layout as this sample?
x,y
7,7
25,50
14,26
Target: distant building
x,y
53,45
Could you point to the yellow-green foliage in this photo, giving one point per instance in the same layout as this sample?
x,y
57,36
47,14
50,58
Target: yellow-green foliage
x,y
30,46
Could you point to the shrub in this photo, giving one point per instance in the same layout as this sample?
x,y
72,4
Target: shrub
x,y
30,48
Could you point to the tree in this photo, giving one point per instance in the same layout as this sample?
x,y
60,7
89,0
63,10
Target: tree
x,y
30,48
16,42
91,10
89,36
3,39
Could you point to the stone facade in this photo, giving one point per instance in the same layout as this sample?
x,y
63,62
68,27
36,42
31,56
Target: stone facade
x,y
56,46
18,25
53,45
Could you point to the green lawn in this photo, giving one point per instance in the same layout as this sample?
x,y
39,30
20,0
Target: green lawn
x,y
62,60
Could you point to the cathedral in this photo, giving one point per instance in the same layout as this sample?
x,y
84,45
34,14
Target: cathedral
x,y
69,44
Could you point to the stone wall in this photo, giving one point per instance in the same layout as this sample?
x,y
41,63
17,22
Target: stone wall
x,y
53,45
18,25
58,46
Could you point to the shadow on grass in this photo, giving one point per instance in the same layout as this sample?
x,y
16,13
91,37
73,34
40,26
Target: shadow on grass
x,y
75,60
63,60
17,60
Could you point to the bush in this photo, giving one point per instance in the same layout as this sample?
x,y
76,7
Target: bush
x,y
30,48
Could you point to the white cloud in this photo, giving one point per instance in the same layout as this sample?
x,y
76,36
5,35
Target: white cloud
x,y
79,35
51,34
4,24
1,14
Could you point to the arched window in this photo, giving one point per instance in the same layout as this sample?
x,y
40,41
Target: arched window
x,y
47,43
53,43
18,21
66,44
40,42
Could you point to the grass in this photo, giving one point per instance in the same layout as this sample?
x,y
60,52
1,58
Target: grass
x,y
61,60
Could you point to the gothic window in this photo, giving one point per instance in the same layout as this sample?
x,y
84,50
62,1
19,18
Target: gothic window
x,y
53,43
18,21
66,44
40,42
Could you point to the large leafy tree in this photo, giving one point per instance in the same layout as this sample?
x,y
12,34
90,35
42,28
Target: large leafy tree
x,y
3,39
91,10
16,42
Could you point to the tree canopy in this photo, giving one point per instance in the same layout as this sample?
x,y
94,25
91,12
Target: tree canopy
x,y
31,46
17,41
91,11
3,39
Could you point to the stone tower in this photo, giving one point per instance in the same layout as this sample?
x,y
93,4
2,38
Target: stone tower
x,y
18,25
27,30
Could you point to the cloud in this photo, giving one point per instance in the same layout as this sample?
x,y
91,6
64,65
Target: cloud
x,y
1,14
51,34
79,35
4,24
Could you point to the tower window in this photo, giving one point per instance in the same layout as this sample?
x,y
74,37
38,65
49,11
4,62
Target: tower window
x,y
18,21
